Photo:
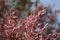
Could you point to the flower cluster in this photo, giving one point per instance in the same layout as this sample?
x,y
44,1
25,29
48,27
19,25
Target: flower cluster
x,y
21,23
15,27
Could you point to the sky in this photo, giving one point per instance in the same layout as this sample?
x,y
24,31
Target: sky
x,y
56,5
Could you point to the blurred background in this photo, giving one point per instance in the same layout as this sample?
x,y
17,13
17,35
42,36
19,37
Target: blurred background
x,y
24,8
